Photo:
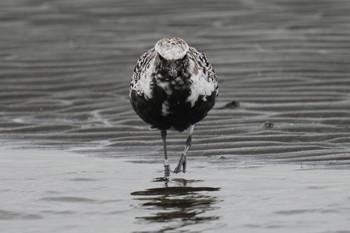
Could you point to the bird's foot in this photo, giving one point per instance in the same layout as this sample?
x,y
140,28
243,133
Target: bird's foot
x,y
182,164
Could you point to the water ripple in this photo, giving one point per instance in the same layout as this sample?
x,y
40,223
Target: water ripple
x,y
278,62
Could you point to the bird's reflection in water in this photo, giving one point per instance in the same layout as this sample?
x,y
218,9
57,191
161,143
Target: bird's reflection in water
x,y
178,201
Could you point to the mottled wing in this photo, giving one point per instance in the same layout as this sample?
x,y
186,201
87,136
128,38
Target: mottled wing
x,y
204,86
141,88
203,63
142,64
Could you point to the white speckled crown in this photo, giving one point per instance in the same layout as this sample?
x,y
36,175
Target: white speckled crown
x,y
172,48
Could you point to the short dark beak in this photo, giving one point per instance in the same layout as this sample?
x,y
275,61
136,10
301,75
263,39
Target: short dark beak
x,y
172,70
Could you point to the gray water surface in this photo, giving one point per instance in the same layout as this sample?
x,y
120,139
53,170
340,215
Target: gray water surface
x,y
272,156
51,191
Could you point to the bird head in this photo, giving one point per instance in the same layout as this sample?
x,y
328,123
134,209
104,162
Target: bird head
x,y
172,55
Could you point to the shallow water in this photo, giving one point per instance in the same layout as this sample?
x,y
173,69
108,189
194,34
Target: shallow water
x,y
51,191
272,156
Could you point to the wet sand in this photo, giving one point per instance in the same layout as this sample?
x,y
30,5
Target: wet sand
x,y
283,70
271,156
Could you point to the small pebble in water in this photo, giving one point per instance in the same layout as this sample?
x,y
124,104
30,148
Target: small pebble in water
x,y
232,104
268,124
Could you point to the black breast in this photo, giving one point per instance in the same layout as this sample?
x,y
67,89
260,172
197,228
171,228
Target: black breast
x,y
170,108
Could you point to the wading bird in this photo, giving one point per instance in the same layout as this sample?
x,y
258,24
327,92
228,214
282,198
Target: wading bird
x,y
173,87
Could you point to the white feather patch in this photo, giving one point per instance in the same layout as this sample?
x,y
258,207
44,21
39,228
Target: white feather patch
x,y
165,86
200,86
145,86
145,83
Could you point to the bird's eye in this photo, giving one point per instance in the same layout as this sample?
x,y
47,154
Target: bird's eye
x,y
183,60
161,58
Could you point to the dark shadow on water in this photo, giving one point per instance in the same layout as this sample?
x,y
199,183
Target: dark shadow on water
x,y
177,204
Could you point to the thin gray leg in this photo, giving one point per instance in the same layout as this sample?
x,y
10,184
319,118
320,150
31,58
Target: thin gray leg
x,y
182,162
163,133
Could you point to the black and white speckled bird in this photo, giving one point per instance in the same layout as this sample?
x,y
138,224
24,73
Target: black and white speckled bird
x,y
173,86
